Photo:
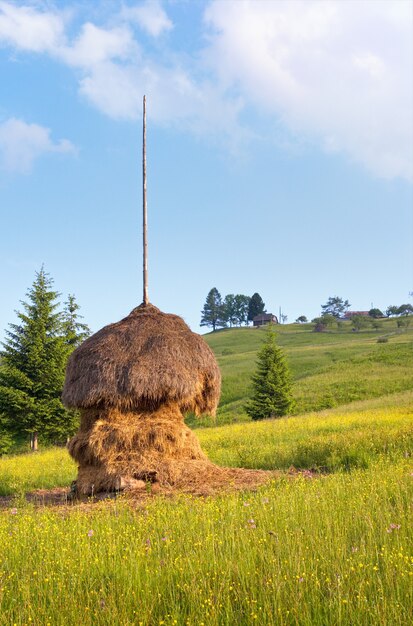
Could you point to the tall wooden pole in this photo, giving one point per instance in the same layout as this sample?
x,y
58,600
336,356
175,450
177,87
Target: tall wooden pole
x,y
145,211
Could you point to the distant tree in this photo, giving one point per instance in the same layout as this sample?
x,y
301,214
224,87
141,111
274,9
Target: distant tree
x,y
403,322
359,322
256,306
271,383
375,313
405,309
392,310
322,323
302,319
284,318
229,310
335,306
33,367
241,308
319,324
376,324
212,313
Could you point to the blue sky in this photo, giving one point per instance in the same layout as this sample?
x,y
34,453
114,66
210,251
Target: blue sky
x,y
279,152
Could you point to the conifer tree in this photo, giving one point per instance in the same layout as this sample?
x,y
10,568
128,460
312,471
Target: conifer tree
x,y
34,359
256,306
272,387
213,313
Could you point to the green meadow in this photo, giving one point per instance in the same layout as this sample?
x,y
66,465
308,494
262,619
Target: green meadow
x,y
329,369
327,542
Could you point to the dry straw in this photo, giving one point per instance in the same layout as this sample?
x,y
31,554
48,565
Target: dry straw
x,y
132,382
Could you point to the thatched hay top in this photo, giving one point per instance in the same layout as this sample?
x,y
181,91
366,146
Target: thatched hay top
x,y
145,360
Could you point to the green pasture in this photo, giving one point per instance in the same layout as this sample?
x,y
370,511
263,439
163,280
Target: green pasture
x,y
329,369
332,550
328,542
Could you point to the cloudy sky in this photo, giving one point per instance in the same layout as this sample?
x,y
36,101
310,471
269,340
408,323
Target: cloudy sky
x,y
279,152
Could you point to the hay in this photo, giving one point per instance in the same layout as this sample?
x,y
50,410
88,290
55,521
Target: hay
x,y
144,361
132,382
119,447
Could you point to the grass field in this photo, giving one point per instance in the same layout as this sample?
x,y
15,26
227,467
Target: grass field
x,y
331,545
329,369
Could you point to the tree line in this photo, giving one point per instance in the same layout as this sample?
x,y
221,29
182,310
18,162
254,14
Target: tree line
x,y
33,364
232,310
333,311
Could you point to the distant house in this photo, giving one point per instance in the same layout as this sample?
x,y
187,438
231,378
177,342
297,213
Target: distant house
x,y
349,314
264,318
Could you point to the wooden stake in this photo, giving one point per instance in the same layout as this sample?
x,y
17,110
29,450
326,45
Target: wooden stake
x,y
145,211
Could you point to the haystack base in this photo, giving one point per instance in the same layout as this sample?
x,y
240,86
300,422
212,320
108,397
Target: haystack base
x,y
119,451
195,477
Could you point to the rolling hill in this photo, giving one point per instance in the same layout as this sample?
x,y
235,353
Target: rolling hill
x,y
329,369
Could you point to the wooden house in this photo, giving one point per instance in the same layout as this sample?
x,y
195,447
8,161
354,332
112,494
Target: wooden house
x,y
264,318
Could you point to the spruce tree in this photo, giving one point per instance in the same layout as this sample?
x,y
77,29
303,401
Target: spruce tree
x,y
272,387
32,372
256,306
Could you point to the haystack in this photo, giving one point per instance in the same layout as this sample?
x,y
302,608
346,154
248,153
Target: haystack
x,y
133,381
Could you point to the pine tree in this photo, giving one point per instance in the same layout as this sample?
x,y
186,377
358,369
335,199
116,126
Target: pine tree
x,y
272,387
213,313
256,306
33,366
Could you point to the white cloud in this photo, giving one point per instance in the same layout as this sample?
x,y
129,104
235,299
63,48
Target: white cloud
x,y
337,72
22,143
28,29
174,99
150,16
97,45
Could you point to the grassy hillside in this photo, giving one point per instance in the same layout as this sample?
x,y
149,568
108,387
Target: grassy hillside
x,y
329,369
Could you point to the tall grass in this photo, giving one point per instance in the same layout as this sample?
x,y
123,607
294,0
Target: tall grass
x,y
328,441
308,552
40,470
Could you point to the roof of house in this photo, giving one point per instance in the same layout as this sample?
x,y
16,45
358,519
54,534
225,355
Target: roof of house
x,y
264,317
351,313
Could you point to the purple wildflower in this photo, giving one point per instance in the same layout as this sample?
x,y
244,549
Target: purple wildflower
x,y
393,527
